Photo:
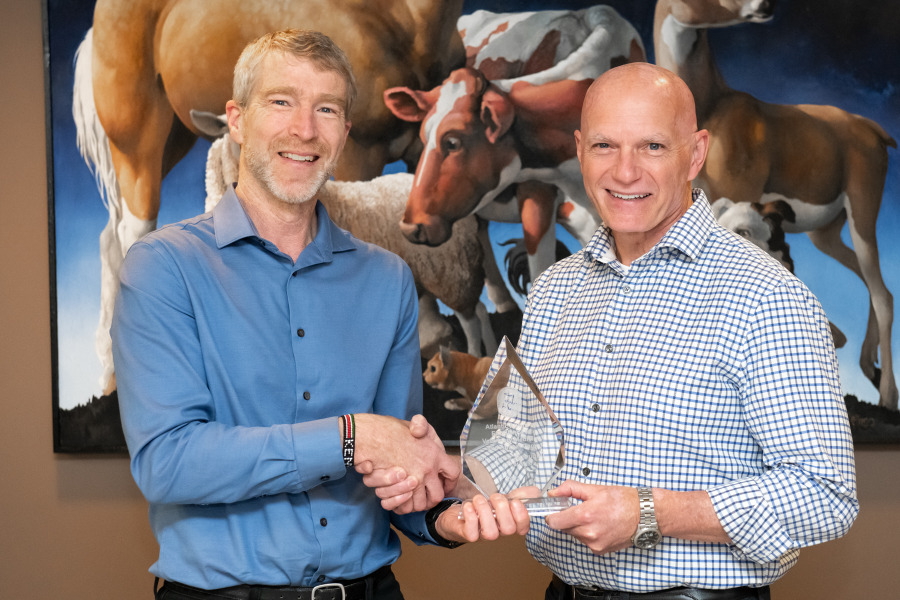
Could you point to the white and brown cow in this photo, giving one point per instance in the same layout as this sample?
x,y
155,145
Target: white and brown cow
x,y
504,148
762,224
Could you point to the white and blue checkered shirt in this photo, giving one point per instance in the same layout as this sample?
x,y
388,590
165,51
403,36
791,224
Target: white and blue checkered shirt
x,y
703,365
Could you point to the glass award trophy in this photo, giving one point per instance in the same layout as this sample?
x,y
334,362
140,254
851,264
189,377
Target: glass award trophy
x,y
512,439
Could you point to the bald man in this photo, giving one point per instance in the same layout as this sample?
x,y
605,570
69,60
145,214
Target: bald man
x,y
707,437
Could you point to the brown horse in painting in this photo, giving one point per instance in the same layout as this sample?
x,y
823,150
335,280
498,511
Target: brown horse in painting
x,y
827,164
153,61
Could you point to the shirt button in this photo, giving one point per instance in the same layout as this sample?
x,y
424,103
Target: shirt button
x,y
306,395
324,478
586,470
300,333
595,407
626,289
608,348
321,578
323,521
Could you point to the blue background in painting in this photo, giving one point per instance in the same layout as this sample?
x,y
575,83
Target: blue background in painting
x,y
813,51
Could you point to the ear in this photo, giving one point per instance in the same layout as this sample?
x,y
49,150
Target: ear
x,y
446,357
497,114
233,114
578,145
779,208
720,206
698,152
209,123
407,104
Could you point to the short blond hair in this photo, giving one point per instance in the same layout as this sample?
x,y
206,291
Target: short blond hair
x,y
300,43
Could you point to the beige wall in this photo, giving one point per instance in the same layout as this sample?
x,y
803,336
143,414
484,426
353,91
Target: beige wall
x,y
74,527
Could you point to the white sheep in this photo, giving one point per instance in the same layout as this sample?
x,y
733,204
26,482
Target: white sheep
x,y
370,210
453,272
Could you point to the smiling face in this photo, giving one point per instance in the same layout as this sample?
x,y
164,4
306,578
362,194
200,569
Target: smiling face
x,y
291,131
639,150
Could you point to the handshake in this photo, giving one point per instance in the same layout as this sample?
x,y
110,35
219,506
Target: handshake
x,y
404,461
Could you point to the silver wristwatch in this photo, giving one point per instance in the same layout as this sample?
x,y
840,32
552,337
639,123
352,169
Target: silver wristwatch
x,y
647,535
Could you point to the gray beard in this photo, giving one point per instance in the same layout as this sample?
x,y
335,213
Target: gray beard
x,y
295,194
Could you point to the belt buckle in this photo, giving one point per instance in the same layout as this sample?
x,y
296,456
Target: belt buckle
x,y
326,586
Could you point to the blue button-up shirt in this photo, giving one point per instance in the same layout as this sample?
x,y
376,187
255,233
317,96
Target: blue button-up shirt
x,y
703,366
233,364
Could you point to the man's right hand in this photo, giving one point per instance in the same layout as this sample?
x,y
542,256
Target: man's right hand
x,y
404,461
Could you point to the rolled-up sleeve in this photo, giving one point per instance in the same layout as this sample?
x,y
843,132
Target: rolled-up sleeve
x,y
795,411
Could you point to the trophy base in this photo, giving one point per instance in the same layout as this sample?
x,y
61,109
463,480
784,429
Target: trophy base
x,y
541,506
545,505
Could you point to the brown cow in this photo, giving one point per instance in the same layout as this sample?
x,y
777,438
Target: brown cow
x,y
504,149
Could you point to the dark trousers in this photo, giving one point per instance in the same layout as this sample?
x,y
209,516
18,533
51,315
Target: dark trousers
x,y
382,586
559,590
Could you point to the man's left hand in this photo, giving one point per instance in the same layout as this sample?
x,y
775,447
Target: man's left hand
x,y
483,519
606,519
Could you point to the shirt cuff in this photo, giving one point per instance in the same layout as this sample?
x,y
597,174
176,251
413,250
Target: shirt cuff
x,y
318,452
745,513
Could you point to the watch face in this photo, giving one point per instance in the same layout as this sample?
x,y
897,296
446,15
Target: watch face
x,y
647,539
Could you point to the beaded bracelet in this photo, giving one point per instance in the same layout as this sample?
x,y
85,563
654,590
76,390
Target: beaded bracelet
x,y
348,426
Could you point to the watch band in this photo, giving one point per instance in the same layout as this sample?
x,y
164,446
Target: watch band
x,y
648,514
432,515
647,534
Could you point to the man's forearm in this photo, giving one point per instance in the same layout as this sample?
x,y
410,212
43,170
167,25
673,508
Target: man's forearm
x,y
689,516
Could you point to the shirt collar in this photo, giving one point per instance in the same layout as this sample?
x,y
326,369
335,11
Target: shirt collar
x,y
687,235
230,221
233,224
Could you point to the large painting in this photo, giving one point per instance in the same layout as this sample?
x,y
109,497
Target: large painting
x,y
816,186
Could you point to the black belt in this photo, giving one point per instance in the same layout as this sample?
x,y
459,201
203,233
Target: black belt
x,y
680,593
354,589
